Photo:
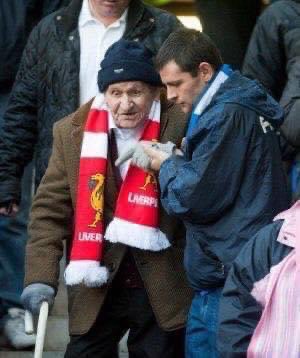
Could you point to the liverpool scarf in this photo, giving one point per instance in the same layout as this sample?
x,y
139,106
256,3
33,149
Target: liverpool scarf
x,y
136,216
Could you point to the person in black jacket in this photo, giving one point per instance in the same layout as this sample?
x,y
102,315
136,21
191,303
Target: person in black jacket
x,y
17,20
273,58
259,307
229,181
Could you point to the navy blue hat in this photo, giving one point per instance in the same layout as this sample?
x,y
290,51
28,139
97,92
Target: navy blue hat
x,y
127,61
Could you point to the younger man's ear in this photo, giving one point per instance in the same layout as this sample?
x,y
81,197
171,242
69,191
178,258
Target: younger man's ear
x,y
206,71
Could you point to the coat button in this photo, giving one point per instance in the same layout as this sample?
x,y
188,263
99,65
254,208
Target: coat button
x,y
71,38
58,17
136,39
151,19
128,281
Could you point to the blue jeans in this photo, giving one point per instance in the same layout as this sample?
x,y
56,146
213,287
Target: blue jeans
x,y
13,237
201,329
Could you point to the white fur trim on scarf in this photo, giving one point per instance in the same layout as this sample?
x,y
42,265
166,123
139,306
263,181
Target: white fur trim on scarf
x,y
135,235
88,272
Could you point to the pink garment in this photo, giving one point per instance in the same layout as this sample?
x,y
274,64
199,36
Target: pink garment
x,y
277,334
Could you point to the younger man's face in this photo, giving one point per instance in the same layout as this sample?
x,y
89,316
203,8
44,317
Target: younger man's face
x,y
182,87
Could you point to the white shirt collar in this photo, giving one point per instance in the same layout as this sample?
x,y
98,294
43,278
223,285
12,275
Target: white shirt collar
x,y
86,16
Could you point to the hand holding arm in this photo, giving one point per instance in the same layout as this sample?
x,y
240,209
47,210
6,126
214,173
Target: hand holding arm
x,y
141,157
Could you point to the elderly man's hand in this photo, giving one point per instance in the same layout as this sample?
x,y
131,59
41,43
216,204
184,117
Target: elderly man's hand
x,y
139,156
34,294
158,156
9,209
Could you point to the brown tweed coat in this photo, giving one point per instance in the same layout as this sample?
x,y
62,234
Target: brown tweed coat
x,y
51,223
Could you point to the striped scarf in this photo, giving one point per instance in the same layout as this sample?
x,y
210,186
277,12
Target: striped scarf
x,y
135,222
277,334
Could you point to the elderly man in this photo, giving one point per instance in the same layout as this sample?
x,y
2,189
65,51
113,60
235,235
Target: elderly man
x,y
229,182
135,279
57,74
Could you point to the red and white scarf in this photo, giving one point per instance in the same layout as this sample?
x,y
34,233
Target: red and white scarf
x,y
135,222
277,334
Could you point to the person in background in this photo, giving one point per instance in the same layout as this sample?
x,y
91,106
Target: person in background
x,y
17,20
273,58
229,22
259,307
135,278
228,182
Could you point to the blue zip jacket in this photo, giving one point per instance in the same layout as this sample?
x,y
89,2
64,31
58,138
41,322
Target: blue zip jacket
x,y
230,181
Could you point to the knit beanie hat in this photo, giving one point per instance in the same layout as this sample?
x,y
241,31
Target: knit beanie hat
x,y
127,61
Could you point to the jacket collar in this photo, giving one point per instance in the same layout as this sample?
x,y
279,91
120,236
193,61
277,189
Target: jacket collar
x,y
67,17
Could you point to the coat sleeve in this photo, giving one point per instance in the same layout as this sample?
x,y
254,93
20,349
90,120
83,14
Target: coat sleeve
x,y
265,56
50,221
19,131
239,311
290,99
200,188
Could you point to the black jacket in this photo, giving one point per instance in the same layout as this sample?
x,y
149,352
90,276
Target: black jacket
x,y
47,86
17,20
230,181
239,311
273,57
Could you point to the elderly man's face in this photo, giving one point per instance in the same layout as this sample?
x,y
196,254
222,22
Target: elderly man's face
x,y
130,102
110,8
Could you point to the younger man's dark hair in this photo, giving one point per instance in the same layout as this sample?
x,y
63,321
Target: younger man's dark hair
x,y
188,48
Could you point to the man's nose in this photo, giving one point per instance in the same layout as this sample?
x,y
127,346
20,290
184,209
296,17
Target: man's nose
x,y
171,94
126,102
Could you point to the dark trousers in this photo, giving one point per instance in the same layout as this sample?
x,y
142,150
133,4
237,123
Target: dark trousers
x,y
123,309
13,237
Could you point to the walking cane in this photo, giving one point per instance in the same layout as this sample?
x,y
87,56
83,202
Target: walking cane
x,y
41,328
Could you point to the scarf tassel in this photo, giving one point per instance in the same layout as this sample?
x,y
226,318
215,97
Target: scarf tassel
x,y
139,236
86,272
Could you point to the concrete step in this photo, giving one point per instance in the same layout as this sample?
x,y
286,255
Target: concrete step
x,y
45,355
53,354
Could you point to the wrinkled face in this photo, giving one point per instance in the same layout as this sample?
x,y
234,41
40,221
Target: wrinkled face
x,y
182,87
130,102
110,8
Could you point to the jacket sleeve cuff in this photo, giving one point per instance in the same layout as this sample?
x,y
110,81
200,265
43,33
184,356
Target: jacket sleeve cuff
x,y
10,192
